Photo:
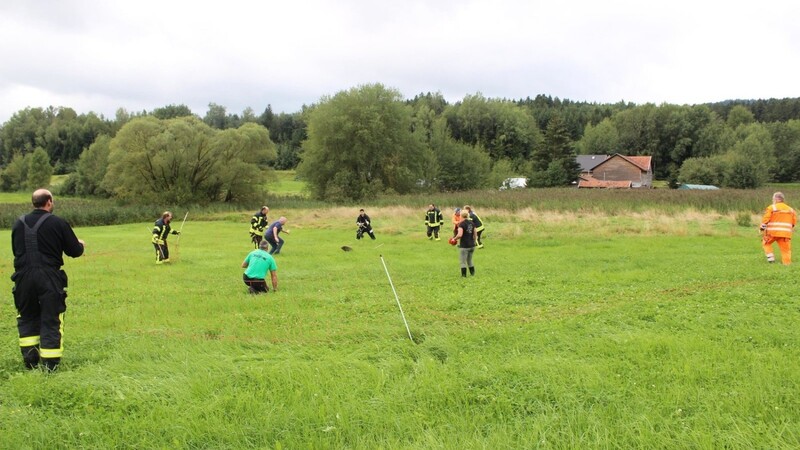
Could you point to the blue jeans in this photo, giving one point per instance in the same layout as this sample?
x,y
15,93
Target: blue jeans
x,y
275,247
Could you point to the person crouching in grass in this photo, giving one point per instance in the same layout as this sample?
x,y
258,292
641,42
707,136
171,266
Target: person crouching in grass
x,y
256,265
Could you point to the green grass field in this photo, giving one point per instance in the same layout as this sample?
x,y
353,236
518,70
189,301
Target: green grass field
x,y
285,182
624,331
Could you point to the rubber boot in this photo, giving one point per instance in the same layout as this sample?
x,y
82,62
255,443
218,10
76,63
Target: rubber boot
x,y
51,364
30,356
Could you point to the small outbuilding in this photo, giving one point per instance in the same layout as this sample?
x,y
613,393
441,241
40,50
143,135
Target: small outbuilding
x,y
615,171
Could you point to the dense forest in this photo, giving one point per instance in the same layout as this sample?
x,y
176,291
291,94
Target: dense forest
x,y
369,140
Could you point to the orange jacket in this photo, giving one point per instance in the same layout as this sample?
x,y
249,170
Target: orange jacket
x,y
779,220
456,219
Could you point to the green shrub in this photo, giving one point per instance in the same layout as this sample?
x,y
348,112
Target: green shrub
x,y
743,219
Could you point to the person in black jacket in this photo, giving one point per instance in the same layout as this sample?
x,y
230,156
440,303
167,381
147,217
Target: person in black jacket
x,y
364,225
258,223
161,231
38,240
467,236
479,226
433,221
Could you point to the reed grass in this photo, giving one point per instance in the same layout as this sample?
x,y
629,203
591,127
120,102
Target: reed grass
x,y
567,202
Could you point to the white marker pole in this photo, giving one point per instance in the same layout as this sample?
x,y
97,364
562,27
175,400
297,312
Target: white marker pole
x,y
178,241
396,298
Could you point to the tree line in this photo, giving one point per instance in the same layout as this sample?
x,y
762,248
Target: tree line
x,y
369,140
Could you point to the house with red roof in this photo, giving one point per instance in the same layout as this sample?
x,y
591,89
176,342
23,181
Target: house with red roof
x,y
616,171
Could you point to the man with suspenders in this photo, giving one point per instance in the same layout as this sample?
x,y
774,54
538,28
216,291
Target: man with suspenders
x,y
38,240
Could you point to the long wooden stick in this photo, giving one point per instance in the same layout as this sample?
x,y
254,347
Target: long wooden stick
x,y
178,241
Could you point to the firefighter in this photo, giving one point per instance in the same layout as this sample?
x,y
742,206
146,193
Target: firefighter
x,y
38,240
162,230
364,225
433,221
777,225
478,225
258,223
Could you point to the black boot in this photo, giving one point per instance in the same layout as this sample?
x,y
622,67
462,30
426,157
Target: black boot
x,y
30,356
51,364
464,272
472,271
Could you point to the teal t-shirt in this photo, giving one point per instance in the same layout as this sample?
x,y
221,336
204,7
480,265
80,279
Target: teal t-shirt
x,y
259,262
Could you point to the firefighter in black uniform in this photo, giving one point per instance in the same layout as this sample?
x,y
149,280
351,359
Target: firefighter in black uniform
x,y
364,225
433,221
257,226
162,230
479,227
38,240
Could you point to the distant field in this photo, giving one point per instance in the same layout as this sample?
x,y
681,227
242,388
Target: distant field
x,y
15,197
57,180
578,331
285,182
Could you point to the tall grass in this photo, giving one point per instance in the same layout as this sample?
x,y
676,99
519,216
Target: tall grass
x,y
285,191
579,331
606,201
94,212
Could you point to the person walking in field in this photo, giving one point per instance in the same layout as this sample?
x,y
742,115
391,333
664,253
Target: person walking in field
x,y
364,225
777,225
162,230
38,240
478,224
456,220
258,223
256,264
272,235
433,221
467,236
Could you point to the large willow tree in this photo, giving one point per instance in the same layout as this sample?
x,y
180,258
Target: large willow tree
x,y
183,160
360,143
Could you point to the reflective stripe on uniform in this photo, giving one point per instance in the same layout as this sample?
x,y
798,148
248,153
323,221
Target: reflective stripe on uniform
x,y
29,341
51,352
779,226
55,352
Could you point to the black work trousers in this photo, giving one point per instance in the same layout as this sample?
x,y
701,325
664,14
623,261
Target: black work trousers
x,y
162,251
40,298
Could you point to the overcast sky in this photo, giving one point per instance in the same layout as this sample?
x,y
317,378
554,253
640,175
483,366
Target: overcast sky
x,y
139,55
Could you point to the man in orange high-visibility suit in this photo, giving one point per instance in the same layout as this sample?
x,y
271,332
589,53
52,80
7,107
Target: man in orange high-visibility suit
x,y
777,226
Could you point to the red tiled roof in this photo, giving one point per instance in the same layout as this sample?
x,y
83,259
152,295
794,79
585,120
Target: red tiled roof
x,y
642,161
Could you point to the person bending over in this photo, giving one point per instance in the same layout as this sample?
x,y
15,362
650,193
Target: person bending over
x,y
256,264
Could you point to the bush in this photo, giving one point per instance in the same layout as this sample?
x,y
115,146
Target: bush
x,y
743,219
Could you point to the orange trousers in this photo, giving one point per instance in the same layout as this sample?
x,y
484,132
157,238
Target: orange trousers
x,y
785,244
